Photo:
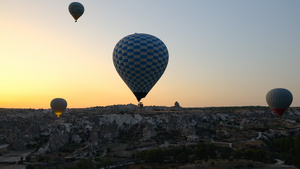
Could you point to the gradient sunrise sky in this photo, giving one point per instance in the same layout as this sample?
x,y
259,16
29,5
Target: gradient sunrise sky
x,y
221,52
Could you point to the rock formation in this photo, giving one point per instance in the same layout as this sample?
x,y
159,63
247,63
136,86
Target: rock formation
x,y
92,129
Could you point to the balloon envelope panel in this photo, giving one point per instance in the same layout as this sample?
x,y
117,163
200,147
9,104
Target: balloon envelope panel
x,y
140,59
76,9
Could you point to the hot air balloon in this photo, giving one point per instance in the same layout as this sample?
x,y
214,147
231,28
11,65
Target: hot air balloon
x,y
140,59
76,9
58,105
279,100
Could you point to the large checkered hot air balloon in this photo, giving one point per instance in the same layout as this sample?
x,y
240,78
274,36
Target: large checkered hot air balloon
x,y
279,100
140,60
76,9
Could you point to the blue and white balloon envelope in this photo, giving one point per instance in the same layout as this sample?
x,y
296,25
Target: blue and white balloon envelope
x,y
140,59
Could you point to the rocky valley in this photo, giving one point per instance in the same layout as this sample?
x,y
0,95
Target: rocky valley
x,y
111,136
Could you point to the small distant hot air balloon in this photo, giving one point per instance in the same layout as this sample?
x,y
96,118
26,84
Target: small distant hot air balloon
x,y
58,105
140,59
279,100
76,9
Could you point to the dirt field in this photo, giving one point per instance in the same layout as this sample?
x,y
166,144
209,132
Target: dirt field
x,y
13,156
215,164
2,166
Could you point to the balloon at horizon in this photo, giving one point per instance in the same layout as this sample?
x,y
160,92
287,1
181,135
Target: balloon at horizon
x,y
279,100
58,106
223,53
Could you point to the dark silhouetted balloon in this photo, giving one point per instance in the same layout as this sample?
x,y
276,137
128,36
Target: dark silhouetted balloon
x,y
58,105
76,9
140,59
279,100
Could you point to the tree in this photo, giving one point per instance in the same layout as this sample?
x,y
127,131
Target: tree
x,y
205,150
226,152
21,159
28,158
85,163
105,161
237,154
155,156
30,166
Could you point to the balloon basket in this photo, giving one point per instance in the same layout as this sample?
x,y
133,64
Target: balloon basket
x,y
140,105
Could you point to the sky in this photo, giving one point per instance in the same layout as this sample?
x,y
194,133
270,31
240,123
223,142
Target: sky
x,y
221,53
